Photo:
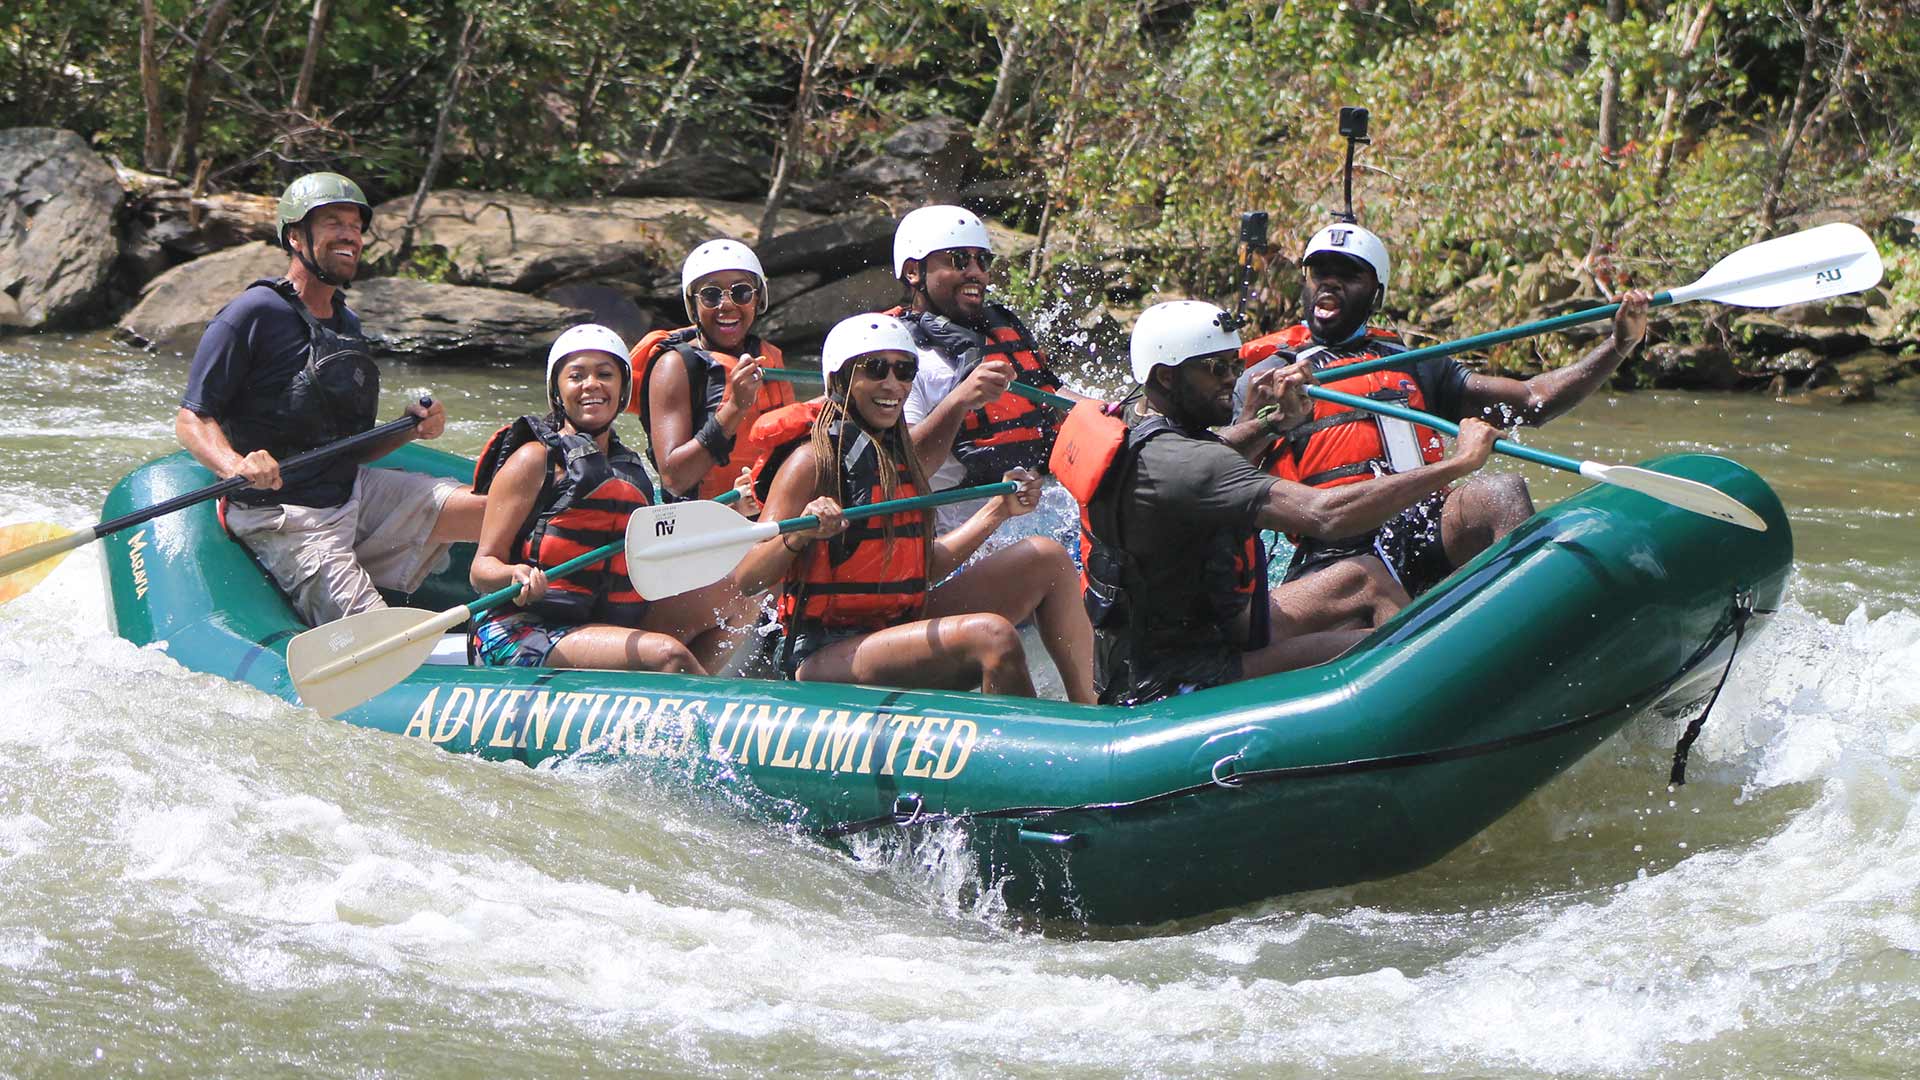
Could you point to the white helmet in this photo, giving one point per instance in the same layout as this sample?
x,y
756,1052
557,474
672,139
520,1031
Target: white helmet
x,y
863,334
1172,333
936,228
588,337
1355,242
713,257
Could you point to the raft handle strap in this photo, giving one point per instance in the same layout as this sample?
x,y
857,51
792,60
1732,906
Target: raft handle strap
x,y
1739,616
1229,780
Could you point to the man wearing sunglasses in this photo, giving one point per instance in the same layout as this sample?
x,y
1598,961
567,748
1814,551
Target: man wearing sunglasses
x,y
1346,270
1176,586
971,349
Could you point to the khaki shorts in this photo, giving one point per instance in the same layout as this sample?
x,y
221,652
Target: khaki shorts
x,y
332,560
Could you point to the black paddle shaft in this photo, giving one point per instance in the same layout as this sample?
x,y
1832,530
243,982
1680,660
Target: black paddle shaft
x,y
235,483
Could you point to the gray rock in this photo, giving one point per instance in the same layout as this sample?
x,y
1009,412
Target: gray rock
x,y
403,318
1840,311
926,161
838,245
178,304
1903,227
801,323
1877,366
519,242
608,305
424,321
1763,332
1675,366
787,286
713,176
58,203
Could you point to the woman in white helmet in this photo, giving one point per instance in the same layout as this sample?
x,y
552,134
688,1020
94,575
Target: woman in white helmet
x,y
699,388
559,486
857,603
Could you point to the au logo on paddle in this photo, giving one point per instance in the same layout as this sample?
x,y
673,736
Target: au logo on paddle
x,y
663,527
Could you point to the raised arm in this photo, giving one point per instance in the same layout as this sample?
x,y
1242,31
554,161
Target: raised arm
x,y
1539,399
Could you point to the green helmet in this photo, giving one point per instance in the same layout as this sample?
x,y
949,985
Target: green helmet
x,y
315,190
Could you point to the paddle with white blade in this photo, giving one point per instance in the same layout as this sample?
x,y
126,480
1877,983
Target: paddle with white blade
x,y
1815,264
346,662
680,547
30,550
1672,490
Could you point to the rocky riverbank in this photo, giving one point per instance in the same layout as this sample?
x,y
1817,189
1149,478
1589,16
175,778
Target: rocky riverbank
x,y
86,243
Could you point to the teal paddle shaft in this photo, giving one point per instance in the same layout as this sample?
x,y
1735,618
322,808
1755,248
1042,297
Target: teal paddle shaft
x,y
1511,449
1481,341
917,502
1031,393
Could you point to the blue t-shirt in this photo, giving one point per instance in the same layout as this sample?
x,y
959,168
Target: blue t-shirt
x,y
250,352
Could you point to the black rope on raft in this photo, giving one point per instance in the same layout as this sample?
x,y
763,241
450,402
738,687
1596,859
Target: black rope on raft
x,y
1741,614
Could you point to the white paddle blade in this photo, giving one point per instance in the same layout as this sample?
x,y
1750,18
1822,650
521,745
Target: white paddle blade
x,y
343,664
1677,491
1815,264
680,547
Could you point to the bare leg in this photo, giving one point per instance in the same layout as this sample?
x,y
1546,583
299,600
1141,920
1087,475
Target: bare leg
x,y
1483,510
1352,594
710,621
1034,577
953,653
459,520
621,649
1306,650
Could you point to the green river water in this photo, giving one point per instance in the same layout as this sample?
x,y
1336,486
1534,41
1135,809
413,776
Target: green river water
x,y
198,880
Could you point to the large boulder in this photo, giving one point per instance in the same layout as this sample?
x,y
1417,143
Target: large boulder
x,y
177,305
58,201
799,324
423,321
712,175
926,161
403,318
519,242
610,305
838,245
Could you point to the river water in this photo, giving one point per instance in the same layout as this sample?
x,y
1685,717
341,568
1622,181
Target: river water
x,y
198,880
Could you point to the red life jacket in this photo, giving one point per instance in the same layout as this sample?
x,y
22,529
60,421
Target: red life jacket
x,y
708,373
585,507
857,579
1009,431
1339,445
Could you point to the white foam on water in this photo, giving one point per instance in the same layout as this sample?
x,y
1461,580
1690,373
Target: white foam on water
x,y
193,872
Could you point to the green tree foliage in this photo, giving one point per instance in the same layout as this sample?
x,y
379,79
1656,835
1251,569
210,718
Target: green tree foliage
x,y
1141,129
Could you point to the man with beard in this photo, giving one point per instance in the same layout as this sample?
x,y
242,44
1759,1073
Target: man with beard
x,y
284,369
1346,275
964,420
1175,585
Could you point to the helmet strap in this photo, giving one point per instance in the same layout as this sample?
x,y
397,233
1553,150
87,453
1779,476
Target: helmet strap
x,y
306,260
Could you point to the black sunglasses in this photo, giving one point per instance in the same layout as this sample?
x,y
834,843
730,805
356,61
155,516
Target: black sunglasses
x,y
876,367
1220,365
965,257
741,292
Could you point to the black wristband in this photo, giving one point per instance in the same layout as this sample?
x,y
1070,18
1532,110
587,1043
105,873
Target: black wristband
x,y
791,548
715,440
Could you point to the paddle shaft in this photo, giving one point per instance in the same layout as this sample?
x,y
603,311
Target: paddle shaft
x,y
1511,449
766,530
1031,393
235,483
1493,337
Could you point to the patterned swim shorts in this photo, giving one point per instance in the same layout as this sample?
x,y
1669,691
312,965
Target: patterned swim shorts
x,y
516,640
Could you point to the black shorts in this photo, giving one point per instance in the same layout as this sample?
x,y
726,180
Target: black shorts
x,y
1409,543
1163,677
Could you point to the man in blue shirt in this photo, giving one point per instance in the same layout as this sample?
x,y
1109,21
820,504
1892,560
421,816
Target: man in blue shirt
x,y
283,369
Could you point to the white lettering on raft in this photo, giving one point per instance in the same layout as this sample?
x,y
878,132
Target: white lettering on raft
x,y
741,732
137,562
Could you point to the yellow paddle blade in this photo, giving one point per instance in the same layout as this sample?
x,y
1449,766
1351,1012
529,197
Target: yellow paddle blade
x,y
29,552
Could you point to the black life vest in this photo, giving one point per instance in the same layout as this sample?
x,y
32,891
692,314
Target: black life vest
x,y
585,507
708,373
1010,431
336,394
1174,614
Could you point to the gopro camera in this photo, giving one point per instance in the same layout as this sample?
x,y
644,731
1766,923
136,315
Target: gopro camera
x,y
1353,122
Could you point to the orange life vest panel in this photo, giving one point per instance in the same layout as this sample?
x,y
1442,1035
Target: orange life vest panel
x,y
708,388
778,434
585,507
1339,445
859,579
1009,431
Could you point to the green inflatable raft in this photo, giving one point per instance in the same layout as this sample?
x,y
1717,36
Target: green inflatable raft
x,y
1597,610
